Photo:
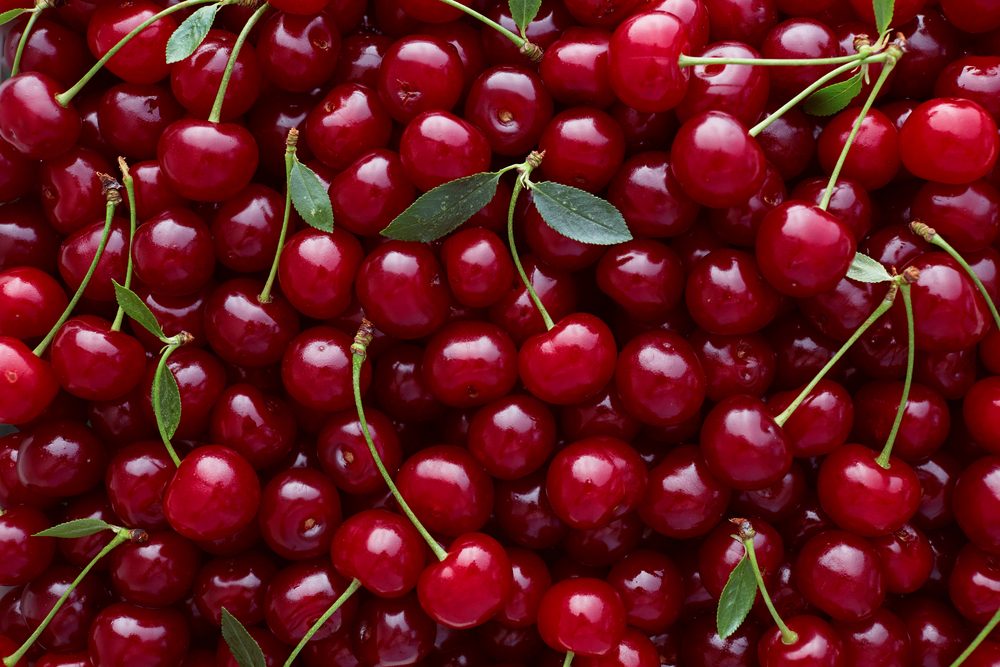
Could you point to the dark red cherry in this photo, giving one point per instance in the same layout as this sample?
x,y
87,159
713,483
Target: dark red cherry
x,y
344,454
470,363
299,53
965,215
246,228
370,193
447,489
821,423
683,499
736,89
575,68
400,289
206,161
742,444
76,254
299,594
258,426
195,80
643,277
316,272
381,549
470,585
512,436
974,584
32,121
238,585
726,294
25,238
316,369
477,265
570,362
649,197
244,331
72,196
582,615
949,140
879,640
67,630
52,48
25,556
734,364
716,161
157,573
583,148
840,574
974,78
594,481
200,377
132,117
947,309
907,559
524,514
60,458
660,379
516,312
32,302
128,634
511,106
818,645
651,589
135,481
18,173
926,420
720,553
346,124
642,62
419,73
93,362
275,652
393,631
299,510
976,498
143,58
798,38
173,252
437,147
937,633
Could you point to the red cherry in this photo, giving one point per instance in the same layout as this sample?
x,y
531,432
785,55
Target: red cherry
x,y
206,161
299,511
381,549
299,594
60,459
419,73
127,634
818,645
683,499
469,364
316,369
907,558
582,615
93,362
447,489
173,251
344,455
25,556
583,148
726,294
840,574
949,140
437,147
742,444
142,59
346,124
976,498
660,379
32,121
157,573
257,426
316,271
643,61
512,436
649,197
874,156
299,53
32,302
570,362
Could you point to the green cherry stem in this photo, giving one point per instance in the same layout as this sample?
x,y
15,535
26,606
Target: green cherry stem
x,y
690,61
161,368
66,97
532,51
983,634
523,180
893,54
227,74
359,352
882,308
568,660
34,15
928,234
909,278
113,198
291,141
745,535
129,184
337,604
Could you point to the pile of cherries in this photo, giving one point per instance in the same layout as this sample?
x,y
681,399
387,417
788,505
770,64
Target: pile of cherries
x,y
564,436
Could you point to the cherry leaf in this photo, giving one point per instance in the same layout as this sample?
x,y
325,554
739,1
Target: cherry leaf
x,y
440,211
736,599
524,12
136,309
310,197
244,648
190,34
864,269
579,215
76,528
833,98
166,398
12,14
883,14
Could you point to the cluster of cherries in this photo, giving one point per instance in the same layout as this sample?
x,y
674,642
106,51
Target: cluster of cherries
x,y
386,452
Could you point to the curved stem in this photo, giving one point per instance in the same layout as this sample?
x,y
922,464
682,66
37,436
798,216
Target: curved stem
x,y
568,660
804,394
934,238
120,537
109,214
66,97
35,14
161,367
129,184
337,604
788,636
359,353
216,112
883,458
290,143
518,186
983,634
519,42
835,174
691,61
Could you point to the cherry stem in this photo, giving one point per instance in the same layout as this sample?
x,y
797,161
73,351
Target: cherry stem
x,y
129,183
66,97
983,634
928,234
568,660
532,51
691,61
883,458
113,197
892,56
359,352
121,535
812,88
522,180
161,367
227,74
804,394
337,604
788,636
290,146
33,17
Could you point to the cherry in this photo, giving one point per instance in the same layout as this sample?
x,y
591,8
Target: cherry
x,y
393,631
370,193
716,161
850,203
821,423
973,78
947,309
142,59
726,294
214,494
299,510
67,631
52,49
974,17
742,444
258,426
32,121
195,80
907,559
447,489
570,362
937,633
469,364
382,550
238,585
736,89
649,197
978,408
582,615
128,634
974,584
512,436
976,493
818,644
316,270
683,499
60,458
200,378
511,106
531,578
93,362
926,420
245,229
470,585
25,239
76,254
644,277
132,117
344,455
299,53
299,594
583,148
778,501
437,147
360,58
477,265
244,331
840,574
72,195
551,247
701,646
651,590
575,68
516,312
660,379
316,369
880,640
874,156
524,514
18,173
643,61
174,252
33,301
937,481
152,194
157,573
419,73
26,556
957,139
206,161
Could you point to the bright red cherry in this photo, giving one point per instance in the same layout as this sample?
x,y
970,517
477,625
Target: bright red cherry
x,y
683,499
206,161
582,615
32,121
157,573
570,362
512,436
976,499
419,73
143,58
949,140
643,61
126,634
840,574
25,556
370,193
32,302
382,550
447,489
726,294
258,426
742,444
660,379
173,252
874,156
95,363
818,645
316,272
511,106
437,147
469,363
299,510
649,197
316,369
244,331
298,53
299,594
907,557
948,311
60,458
583,148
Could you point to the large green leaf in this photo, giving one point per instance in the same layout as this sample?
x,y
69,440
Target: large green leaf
x,y
310,197
524,12
833,98
579,215
736,599
136,309
440,211
190,34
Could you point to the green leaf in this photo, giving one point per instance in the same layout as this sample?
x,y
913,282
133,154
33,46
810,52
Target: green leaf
x,y
440,211
835,97
190,34
12,14
864,269
244,648
166,400
579,215
76,528
883,14
736,599
524,12
136,309
310,197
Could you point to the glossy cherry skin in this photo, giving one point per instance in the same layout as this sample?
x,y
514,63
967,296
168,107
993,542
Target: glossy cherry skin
x,y
244,331
195,80
974,584
907,558
570,362
32,302
132,116
299,594
470,585
173,252
818,645
511,106
660,379
583,148
873,159
469,364
419,73
370,193
52,48
524,514
516,312
205,161
25,556
246,228
840,574
214,494
316,271
716,161
965,215
642,61
18,173
68,629
683,499
742,444
821,423
926,420
157,573
77,253
25,238
582,615
575,68
346,124
93,362
344,454
126,634
726,294
651,589
299,510
736,89
957,140
382,550
60,458
650,198
259,427
298,53
72,195
976,496
512,436
32,121
437,147
142,59
201,379
477,265
644,277
720,553
980,405
947,309
393,631
135,481
237,584
316,369
447,489
974,78
880,640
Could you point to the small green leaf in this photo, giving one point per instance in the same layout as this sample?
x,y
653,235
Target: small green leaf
x,y
864,269
883,14
736,599
76,528
244,648
440,211
166,400
190,34
136,309
12,14
579,215
310,197
524,12
835,97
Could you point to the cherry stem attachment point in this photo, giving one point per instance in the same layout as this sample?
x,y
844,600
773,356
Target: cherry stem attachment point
x,y
33,17
291,142
983,634
532,51
129,184
359,352
904,288
333,608
745,535
568,660
113,198
227,74
882,308
523,181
